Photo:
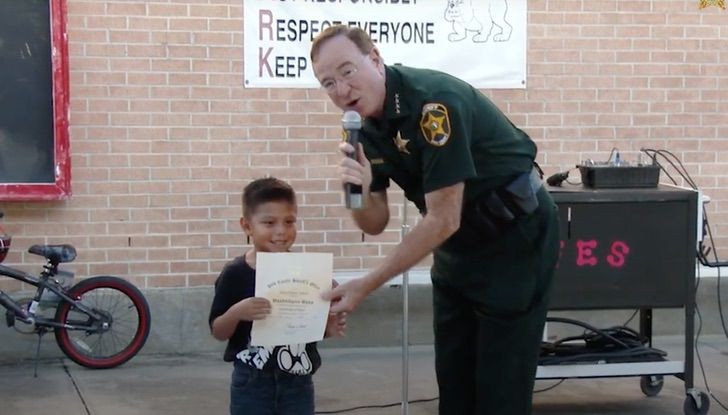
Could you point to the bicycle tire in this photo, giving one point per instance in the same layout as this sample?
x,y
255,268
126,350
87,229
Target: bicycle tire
x,y
124,308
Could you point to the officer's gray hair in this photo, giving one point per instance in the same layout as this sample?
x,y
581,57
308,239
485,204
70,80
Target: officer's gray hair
x,y
360,38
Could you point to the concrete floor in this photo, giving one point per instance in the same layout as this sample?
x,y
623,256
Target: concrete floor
x,y
349,377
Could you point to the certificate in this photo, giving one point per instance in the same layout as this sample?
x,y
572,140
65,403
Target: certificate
x,y
293,283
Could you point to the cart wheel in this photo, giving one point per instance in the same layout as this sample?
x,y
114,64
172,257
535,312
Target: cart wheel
x,y
693,407
651,385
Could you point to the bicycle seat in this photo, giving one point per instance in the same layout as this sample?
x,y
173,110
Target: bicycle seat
x,y
56,254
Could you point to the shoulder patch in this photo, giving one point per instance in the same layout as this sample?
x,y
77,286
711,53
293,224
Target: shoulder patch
x,y
435,124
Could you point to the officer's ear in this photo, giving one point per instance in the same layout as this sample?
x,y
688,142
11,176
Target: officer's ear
x,y
377,58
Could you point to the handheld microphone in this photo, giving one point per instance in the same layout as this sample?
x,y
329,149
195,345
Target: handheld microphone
x,y
351,124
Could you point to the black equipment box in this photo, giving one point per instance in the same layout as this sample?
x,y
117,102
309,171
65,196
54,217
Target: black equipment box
x,y
611,176
625,248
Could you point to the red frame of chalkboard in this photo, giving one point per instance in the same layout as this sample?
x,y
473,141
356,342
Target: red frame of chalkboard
x,y
61,188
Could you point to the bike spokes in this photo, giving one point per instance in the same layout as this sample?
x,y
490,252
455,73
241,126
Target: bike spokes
x,y
114,331
118,331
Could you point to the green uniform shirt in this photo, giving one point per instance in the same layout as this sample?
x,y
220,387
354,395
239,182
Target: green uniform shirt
x,y
437,131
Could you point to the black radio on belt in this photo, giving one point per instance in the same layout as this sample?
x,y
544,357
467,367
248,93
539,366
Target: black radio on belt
x,y
494,210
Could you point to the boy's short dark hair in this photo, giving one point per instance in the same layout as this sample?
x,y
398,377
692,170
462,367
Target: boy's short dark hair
x,y
265,190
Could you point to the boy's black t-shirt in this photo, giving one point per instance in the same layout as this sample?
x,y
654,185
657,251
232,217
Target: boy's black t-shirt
x,y
235,283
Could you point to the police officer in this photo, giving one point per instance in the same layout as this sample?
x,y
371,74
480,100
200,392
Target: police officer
x,y
491,226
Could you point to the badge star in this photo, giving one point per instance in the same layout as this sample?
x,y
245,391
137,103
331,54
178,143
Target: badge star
x,y
717,3
435,124
401,143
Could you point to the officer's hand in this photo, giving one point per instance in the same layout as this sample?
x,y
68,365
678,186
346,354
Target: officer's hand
x,y
358,172
347,296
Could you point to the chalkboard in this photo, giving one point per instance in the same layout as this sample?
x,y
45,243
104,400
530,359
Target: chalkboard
x,y
33,100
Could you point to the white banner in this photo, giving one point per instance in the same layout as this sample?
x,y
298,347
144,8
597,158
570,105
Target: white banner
x,y
480,41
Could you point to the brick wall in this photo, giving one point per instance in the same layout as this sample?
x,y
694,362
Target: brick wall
x,y
164,136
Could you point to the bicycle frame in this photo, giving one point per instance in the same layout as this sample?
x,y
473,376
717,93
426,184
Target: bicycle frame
x,y
42,283
100,322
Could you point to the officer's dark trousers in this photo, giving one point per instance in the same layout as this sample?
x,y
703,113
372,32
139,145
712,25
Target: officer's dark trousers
x,y
490,304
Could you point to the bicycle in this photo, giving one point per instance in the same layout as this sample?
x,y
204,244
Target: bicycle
x,y
100,323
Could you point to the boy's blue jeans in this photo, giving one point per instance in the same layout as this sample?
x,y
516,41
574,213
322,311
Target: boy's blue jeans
x,y
255,392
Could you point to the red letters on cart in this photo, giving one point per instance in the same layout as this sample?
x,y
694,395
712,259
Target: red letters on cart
x,y
592,252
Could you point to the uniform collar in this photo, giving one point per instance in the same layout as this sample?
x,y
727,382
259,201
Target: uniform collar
x,y
394,104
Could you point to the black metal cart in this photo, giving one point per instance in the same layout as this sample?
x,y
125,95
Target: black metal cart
x,y
629,249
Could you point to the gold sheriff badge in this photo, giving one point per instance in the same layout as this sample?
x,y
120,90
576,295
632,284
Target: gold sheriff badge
x,y
717,3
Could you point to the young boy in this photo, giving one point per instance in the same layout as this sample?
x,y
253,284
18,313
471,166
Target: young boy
x,y
265,380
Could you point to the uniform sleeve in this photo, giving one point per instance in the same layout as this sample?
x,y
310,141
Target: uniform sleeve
x,y
446,131
380,176
380,182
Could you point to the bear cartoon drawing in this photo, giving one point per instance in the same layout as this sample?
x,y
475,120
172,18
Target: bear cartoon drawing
x,y
465,18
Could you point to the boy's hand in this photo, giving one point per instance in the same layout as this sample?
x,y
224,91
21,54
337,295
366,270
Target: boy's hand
x,y
252,308
336,325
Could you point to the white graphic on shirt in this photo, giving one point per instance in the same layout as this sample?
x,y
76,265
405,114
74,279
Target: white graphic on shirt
x,y
255,356
294,359
291,359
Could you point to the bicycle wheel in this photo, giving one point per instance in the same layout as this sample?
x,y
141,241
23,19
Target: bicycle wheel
x,y
116,337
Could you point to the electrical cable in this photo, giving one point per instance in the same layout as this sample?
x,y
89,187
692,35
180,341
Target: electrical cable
x,y
620,344
389,405
700,360
701,254
657,163
557,179
611,153
549,387
386,405
700,319
629,320
715,256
